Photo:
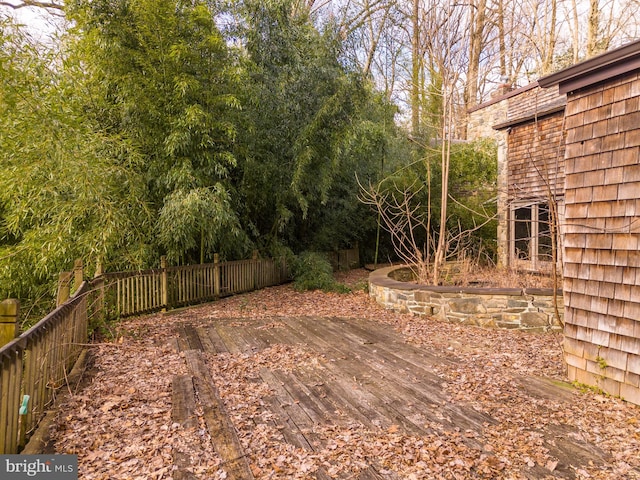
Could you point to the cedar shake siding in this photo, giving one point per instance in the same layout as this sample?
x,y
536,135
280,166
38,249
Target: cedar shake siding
x,y
536,159
535,179
602,221
527,123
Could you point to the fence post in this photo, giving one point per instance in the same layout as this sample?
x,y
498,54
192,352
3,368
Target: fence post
x,y
78,274
216,275
9,313
254,267
164,283
64,287
99,282
99,270
357,255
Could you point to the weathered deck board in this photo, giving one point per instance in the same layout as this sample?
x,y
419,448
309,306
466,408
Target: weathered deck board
x,y
406,391
216,343
370,386
183,412
339,386
190,337
357,372
183,401
223,434
317,412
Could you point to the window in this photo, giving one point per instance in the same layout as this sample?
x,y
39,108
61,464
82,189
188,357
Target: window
x,y
523,232
530,237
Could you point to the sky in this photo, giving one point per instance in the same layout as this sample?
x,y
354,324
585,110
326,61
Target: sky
x,y
41,24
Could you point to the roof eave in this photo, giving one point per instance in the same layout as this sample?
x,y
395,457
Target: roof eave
x,y
531,117
594,70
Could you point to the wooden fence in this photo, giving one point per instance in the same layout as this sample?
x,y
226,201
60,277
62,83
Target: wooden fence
x,y
132,293
35,365
345,259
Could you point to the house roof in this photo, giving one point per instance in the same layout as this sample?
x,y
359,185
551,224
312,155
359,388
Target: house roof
x,y
557,106
597,69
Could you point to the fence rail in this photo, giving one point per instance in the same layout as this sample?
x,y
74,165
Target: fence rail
x,y
34,366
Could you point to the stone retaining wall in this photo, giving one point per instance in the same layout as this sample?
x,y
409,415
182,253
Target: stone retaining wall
x,y
525,309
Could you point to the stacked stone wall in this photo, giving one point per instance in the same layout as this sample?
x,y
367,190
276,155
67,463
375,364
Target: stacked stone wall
x,y
481,120
513,308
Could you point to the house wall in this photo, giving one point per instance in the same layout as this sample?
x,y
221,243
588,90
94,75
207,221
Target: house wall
x,y
536,158
481,119
602,236
530,149
532,99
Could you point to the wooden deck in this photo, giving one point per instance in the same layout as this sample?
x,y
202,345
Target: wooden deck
x,y
367,374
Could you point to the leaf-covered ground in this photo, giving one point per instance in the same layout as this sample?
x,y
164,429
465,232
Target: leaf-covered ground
x,y
120,425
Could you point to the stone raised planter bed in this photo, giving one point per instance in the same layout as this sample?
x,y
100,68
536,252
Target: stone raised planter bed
x,y
527,309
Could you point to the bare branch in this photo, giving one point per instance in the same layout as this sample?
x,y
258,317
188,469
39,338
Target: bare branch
x,y
402,216
32,3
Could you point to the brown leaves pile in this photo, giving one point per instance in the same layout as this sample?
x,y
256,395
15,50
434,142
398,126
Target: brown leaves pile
x,y
120,424
121,428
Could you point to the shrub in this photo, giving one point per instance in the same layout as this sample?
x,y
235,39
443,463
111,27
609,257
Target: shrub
x,y
312,271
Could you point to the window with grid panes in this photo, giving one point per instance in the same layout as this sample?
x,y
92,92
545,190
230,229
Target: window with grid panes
x,y
531,246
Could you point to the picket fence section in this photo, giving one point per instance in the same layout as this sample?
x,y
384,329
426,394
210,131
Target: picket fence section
x,y
123,294
36,364
134,293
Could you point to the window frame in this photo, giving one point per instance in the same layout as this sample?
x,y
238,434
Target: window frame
x,y
535,260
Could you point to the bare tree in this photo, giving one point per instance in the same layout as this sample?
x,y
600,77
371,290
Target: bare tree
x,y
406,221
437,41
550,36
416,67
610,22
375,33
574,27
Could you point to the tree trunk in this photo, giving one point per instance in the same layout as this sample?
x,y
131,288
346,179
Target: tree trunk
x,y
416,63
447,121
593,25
501,39
550,40
375,39
575,32
477,24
